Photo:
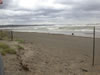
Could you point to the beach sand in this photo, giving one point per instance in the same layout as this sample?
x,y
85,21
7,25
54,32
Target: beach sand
x,y
57,54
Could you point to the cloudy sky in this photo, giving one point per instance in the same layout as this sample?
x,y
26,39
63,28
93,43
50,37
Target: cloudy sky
x,y
49,11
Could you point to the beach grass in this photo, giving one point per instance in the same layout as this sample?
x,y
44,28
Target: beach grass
x,y
20,41
20,47
4,35
6,49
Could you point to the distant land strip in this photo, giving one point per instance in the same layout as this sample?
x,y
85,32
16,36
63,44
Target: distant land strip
x,y
3,26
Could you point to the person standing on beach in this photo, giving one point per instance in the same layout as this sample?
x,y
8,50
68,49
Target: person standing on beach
x,y
72,33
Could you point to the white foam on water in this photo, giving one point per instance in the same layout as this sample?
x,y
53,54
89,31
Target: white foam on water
x,y
79,30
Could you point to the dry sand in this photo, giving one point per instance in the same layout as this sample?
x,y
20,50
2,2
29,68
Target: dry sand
x,y
54,54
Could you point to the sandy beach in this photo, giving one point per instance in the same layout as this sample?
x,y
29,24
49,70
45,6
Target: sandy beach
x,y
55,54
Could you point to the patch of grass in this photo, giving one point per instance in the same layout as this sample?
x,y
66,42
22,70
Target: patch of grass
x,y
20,47
10,51
5,49
20,41
4,46
3,35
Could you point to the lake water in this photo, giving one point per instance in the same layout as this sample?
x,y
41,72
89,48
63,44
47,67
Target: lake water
x,y
78,30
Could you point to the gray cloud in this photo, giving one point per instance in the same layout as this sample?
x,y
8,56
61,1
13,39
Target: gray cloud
x,y
61,11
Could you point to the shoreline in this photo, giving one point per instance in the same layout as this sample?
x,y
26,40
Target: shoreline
x,y
88,35
60,34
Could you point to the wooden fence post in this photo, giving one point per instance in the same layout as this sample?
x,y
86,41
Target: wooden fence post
x,y
93,60
12,36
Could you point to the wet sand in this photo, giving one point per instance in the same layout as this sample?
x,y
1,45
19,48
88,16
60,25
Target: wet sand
x,y
56,54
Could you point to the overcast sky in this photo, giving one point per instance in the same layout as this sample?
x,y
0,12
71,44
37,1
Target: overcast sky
x,y
49,11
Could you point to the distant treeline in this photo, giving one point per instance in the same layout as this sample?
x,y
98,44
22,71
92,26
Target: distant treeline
x,y
2,26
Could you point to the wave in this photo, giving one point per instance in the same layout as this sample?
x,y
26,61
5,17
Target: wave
x,y
82,30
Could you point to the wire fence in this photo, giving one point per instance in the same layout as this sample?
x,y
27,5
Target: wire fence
x,y
6,35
